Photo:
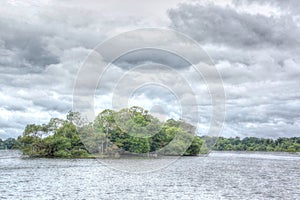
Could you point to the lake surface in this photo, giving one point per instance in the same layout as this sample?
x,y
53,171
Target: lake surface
x,y
221,175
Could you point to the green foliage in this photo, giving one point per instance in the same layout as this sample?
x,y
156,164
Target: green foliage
x,y
58,138
9,143
139,145
195,147
257,144
131,130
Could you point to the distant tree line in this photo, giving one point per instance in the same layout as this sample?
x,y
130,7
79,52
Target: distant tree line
x,y
256,144
10,143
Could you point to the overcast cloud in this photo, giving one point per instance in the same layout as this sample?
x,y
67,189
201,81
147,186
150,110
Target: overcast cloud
x,y
255,45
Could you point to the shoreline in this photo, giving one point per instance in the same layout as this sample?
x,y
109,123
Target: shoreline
x,y
278,153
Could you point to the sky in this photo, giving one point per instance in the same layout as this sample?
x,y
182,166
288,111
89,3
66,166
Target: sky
x,y
253,44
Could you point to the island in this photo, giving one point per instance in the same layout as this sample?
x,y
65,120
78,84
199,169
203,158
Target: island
x,y
130,131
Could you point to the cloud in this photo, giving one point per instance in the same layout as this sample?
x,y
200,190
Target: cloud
x,y
226,26
44,44
286,6
258,58
143,56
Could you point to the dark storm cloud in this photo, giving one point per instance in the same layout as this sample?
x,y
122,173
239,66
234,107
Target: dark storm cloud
x,y
143,56
52,104
15,108
226,26
29,53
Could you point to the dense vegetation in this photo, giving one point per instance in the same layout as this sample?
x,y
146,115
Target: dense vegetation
x,y
128,131
9,143
257,144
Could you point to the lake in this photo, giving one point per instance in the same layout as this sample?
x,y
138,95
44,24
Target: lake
x,y
221,175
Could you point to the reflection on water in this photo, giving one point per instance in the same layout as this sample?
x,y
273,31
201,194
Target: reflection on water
x,y
222,175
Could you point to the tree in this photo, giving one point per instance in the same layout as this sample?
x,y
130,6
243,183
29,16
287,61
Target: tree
x,y
195,147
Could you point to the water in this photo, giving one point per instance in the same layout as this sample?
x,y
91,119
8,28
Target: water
x,y
218,176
